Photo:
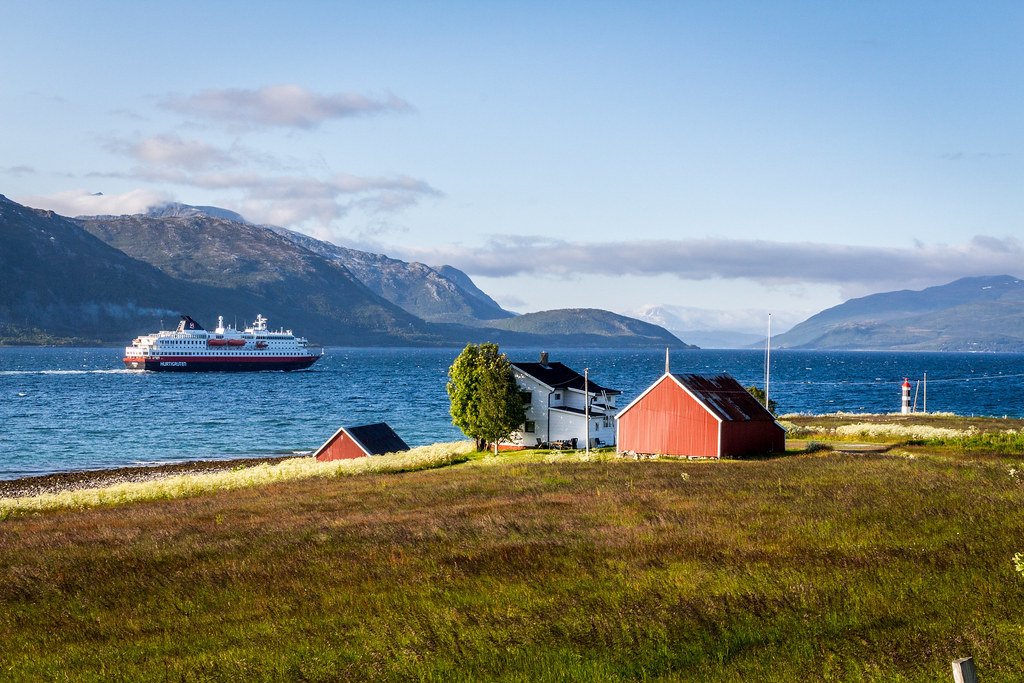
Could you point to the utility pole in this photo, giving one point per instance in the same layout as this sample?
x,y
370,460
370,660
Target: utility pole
x,y
586,404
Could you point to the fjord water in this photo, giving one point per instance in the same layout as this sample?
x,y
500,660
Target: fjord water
x,y
67,409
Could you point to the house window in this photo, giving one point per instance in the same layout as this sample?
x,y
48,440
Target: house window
x,y
530,427
558,396
527,397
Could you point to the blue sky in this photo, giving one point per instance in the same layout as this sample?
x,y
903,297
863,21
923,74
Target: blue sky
x,y
725,159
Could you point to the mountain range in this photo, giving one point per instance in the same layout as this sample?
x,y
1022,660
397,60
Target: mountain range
x,y
970,314
104,279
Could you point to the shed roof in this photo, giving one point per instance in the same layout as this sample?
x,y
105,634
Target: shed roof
x,y
725,397
378,438
559,376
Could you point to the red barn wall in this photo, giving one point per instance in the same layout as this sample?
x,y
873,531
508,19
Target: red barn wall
x,y
341,448
668,421
752,438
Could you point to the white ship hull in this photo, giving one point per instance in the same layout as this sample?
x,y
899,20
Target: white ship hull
x,y
190,348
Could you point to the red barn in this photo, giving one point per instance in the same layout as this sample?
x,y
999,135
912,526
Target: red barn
x,y
698,416
356,442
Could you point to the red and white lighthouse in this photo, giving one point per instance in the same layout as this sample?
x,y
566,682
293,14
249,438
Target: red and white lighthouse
x,y
905,408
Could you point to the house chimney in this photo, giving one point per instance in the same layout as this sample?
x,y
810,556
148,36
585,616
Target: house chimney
x,y
543,357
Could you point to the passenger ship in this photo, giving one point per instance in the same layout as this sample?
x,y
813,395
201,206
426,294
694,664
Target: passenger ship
x,y
190,348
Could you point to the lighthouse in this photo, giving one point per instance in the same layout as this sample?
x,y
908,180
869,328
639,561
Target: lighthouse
x,y
905,408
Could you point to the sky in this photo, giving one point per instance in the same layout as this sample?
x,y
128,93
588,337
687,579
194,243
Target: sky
x,y
723,159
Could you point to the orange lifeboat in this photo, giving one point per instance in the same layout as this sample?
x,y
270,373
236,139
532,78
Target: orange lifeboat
x,y
216,342
261,345
236,342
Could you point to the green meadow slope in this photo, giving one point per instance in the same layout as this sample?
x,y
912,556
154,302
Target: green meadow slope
x,y
825,566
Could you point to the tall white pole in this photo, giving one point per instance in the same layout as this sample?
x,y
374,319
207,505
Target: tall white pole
x,y
768,360
586,404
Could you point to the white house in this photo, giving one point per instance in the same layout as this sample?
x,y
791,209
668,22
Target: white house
x,y
555,398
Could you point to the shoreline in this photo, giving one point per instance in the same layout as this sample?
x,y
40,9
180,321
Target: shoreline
x,y
59,482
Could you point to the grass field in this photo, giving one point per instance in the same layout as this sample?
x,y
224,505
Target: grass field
x,y
535,566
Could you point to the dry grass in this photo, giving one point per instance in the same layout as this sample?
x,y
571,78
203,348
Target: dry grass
x,y
187,485
538,567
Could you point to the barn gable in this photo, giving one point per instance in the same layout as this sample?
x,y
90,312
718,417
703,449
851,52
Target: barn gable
x,y
698,416
359,441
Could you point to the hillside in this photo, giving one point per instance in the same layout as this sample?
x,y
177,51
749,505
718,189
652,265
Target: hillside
x,y
823,566
590,327
63,284
447,297
970,314
283,281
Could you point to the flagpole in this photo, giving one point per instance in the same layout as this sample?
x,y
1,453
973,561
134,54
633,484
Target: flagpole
x,y
768,361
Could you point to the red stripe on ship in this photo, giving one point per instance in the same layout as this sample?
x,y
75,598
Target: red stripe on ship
x,y
217,359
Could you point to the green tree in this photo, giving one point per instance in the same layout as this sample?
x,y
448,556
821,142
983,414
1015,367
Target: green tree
x,y
485,400
758,393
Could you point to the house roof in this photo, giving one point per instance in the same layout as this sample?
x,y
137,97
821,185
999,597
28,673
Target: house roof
x,y
374,439
721,395
559,376
725,397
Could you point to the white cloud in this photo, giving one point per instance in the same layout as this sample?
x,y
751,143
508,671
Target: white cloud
x,y
855,269
291,201
173,151
84,203
281,105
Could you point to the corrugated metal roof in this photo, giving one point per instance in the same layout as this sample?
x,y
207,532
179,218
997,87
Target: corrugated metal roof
x,y
725,397
559,376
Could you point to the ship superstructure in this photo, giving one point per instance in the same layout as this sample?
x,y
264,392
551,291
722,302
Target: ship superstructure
x,y
191,348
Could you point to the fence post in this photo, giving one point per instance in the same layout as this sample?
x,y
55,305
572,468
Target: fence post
x,y
963,671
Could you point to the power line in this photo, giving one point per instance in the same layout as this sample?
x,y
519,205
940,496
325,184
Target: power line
x,y
880,382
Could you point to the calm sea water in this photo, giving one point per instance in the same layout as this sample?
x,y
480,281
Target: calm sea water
x,y
71,409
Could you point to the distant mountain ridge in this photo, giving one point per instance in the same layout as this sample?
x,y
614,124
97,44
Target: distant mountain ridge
x,y
284,281
590,326
104,279
444,294
435,296
62,284
969,314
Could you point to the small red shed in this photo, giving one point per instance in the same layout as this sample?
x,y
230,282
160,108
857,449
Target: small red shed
x,y
356,442
698,416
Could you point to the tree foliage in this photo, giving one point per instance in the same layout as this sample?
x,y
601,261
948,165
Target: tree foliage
x,y
485,400
758,393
